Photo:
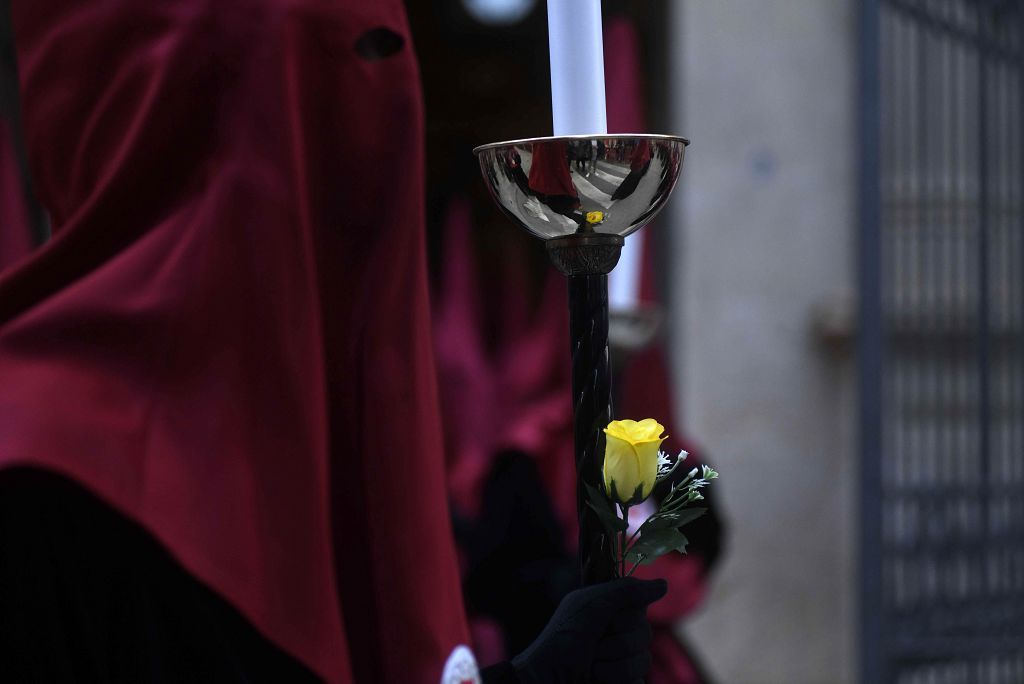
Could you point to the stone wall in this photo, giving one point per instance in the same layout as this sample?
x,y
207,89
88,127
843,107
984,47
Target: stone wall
x,y
763,238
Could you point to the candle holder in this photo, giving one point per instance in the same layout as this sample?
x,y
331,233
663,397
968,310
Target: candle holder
x,y
583,195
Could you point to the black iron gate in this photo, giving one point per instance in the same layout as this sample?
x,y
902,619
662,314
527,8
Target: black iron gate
x,y
942,341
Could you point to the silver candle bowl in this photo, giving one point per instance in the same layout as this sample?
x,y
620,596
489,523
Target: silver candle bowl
x,y
582,185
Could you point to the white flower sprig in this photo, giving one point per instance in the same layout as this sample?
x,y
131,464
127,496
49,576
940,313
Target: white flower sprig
x,y
634,466
666,465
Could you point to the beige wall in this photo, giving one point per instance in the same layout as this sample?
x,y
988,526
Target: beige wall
x,y
763,236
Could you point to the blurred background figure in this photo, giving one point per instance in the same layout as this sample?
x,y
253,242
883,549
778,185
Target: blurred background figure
x,y
502,335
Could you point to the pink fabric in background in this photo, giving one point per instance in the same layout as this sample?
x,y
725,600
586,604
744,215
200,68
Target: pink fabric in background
x,y
512,393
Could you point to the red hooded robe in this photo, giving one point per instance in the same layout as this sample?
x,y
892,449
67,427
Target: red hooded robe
x,y
227,338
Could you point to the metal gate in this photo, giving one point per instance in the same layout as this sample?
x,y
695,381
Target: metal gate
x,y
941,346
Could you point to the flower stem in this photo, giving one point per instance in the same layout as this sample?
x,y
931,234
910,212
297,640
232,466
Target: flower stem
x,y
623,543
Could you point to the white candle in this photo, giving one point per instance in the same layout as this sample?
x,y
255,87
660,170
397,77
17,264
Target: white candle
x,y
577,67
624,281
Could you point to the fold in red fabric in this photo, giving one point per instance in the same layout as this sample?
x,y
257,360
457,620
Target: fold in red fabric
x,y
15,232
228,336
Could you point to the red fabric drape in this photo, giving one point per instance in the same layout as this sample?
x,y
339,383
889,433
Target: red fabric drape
x,y
228,336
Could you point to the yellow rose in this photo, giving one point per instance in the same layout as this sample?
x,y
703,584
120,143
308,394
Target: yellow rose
x,y
595,217
631,458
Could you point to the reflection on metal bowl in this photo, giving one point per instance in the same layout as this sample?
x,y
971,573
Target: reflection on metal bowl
x,y
580,185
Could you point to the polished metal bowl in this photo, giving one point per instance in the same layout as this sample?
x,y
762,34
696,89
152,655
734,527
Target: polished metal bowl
x,y
582,185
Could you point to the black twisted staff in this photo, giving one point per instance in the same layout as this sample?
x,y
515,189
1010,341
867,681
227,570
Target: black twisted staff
x,y
587,258
591,393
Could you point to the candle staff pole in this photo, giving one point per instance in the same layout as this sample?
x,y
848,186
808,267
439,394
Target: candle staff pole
x,y
583,195
586,260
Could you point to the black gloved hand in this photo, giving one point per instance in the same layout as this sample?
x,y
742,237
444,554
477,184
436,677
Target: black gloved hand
x,y
598,634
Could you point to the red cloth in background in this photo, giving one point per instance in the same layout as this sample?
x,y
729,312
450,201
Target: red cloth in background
x,y
228,336
15,228
548,173
510,394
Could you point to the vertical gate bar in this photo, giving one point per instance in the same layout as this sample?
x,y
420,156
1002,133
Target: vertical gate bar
x,y
941,413
969,372
1014,487
1003,369
931,236
1019,471
947,137
910,358
1016,409
869,345
983,331
956,194
997,309
925,498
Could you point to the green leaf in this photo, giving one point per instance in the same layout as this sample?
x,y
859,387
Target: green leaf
x,y
613,496
600,504
688,515
610,527
638,495
658,522
596,495
673,519
654,543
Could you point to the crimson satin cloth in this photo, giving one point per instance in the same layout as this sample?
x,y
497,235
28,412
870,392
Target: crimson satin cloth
x,y
228,336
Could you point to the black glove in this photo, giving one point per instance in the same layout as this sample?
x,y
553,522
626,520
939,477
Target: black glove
x,y
598,634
